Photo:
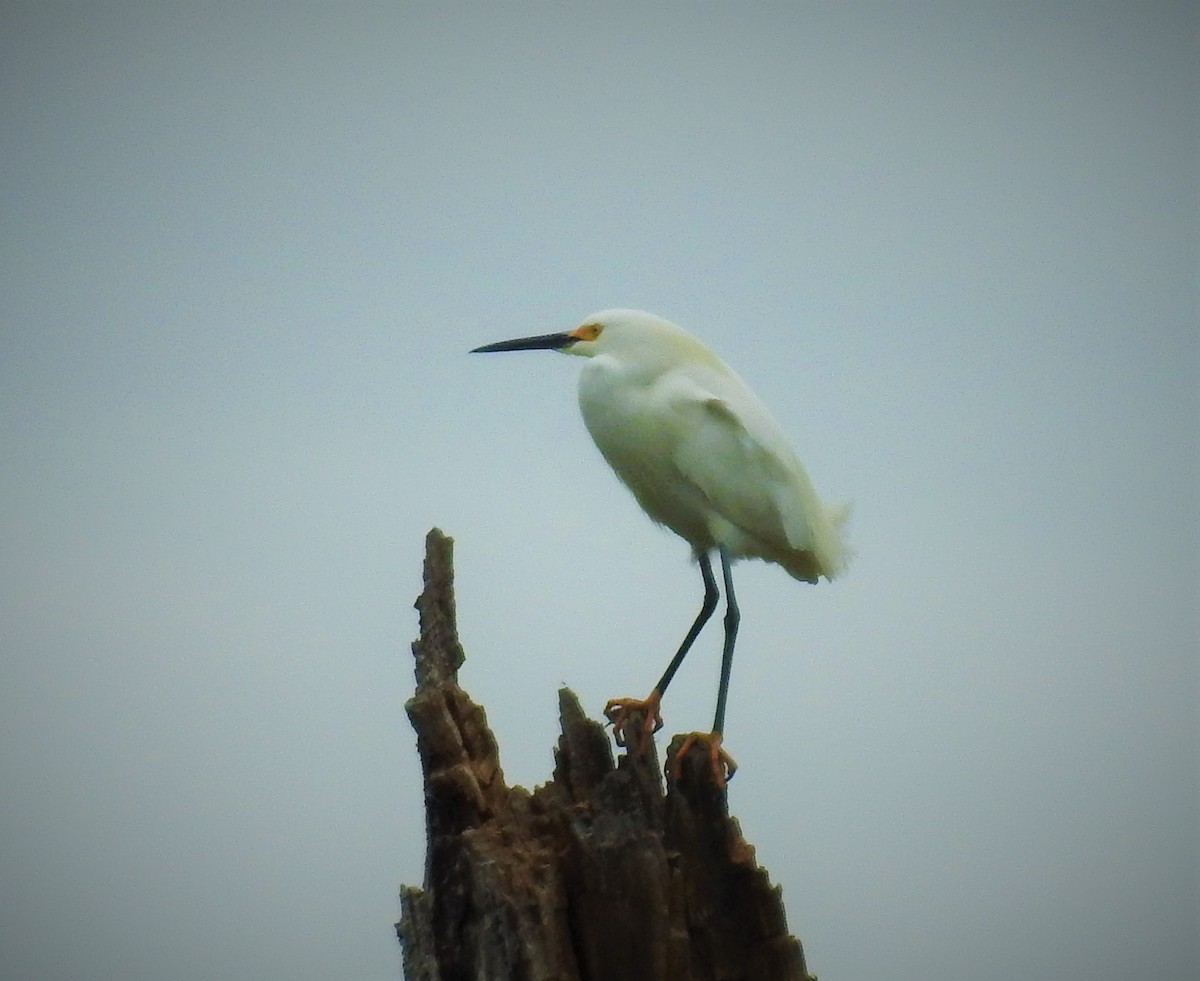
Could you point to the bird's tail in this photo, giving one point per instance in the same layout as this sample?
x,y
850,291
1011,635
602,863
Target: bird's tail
x,y
825,552
831,546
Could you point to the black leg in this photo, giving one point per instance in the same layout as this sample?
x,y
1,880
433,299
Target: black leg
x,y
711,595
732,618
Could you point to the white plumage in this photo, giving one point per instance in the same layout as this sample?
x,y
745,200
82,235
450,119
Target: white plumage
x,y
704,457
699,451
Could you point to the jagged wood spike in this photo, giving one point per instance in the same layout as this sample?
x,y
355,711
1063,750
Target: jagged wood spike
x,y
601,873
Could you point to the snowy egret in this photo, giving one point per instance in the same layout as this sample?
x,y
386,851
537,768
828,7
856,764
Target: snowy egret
x,y
704,457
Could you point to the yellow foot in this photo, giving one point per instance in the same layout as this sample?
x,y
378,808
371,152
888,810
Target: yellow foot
x,y
621,713
722,764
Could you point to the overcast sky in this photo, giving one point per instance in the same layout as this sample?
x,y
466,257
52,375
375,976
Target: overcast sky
x,y
245,251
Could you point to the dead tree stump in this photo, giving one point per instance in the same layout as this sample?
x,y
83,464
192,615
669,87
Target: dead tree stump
x,y
595,876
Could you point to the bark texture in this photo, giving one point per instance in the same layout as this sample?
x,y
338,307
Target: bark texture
x,y
597,875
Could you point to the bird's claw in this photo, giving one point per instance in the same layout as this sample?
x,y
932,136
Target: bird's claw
x,y
622,712
721,763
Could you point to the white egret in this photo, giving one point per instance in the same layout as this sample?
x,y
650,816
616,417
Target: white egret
x,y
704,457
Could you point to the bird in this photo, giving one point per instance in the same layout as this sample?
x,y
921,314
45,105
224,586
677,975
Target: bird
x,y
703,457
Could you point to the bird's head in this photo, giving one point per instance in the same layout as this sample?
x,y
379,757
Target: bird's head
x,y
632,336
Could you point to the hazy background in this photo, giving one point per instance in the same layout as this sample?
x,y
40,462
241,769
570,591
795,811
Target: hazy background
x,y
245,251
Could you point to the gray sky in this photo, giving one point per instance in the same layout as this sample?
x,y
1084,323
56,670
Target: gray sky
x,y
246,249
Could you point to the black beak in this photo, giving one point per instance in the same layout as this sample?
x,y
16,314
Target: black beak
x,y
543,342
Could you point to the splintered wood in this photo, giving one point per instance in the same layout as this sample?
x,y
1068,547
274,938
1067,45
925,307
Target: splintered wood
x,y
598,875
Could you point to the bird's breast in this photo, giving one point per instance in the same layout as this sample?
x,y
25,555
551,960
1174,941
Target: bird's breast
x,y
638,434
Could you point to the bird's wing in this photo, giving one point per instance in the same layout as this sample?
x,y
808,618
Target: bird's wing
x,y
740,461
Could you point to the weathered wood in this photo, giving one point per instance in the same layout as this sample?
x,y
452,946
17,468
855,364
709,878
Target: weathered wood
x,y
598,875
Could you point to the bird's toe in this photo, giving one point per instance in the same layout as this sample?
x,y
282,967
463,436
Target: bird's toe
x,y
721,764
633,720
